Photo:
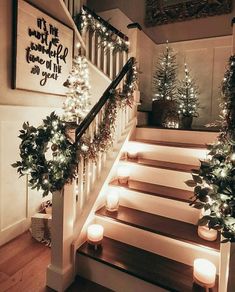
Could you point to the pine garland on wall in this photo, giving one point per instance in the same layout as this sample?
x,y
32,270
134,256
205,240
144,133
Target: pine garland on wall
x,y
214,183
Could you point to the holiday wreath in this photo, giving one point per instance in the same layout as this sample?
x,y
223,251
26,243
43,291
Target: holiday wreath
x,y
47,155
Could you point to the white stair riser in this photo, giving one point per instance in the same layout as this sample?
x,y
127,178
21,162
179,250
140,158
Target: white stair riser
x,y
159,244
194,137
112,278
190,156
158,205
164,177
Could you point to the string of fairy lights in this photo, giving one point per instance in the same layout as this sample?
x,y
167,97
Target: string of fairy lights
x,y
108,39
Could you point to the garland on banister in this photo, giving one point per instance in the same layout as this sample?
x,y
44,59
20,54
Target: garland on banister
x,y
49,157
214,183
91,148
108,39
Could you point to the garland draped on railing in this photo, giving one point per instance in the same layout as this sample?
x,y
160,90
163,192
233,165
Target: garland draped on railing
x,y
108,38
49,156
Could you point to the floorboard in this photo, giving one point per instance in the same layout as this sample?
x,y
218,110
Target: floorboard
x,y
23,263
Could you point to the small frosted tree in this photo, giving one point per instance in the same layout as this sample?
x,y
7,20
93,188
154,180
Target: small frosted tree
x,y
164,78
77,103
187,95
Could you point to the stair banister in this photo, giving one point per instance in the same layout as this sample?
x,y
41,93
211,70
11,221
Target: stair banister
x,y
97,107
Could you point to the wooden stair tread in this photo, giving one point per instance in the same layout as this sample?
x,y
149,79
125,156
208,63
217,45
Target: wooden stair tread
x,y
194,129
163,164
150,267
171,144
156,190
160,225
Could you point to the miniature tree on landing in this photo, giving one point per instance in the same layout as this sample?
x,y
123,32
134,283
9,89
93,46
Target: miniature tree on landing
x,y
164,78
187,95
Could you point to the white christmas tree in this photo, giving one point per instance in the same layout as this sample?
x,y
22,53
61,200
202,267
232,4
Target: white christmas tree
x,y
77,103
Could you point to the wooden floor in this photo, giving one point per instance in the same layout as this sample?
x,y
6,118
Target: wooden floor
x,y
23,263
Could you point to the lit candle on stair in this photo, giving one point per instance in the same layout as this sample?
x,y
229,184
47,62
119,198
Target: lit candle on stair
x,y
95,234
204,273
112,200
206,233
132,151
123,174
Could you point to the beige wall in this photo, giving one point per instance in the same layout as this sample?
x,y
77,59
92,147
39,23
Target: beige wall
x,y
186,30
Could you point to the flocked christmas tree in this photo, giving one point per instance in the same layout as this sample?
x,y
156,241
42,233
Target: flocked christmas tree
x,y
164,78
187,95
215,182
77,103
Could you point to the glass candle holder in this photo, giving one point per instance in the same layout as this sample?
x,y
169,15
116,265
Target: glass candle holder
x,y
112,200
123,174
204,273
206,233
95,234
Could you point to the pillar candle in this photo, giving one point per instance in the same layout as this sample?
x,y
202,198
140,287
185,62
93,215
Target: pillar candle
x,y
123,173
112,200
204,273
95,233
206,233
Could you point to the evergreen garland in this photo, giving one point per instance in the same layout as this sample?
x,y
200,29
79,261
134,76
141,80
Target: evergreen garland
x,y
187,95
108,39
164,78
214,183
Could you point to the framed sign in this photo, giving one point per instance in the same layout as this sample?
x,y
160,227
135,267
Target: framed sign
x,y
167,11
43,50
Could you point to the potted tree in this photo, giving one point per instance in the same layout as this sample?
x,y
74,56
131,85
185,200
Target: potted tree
x,y
187,98
164,87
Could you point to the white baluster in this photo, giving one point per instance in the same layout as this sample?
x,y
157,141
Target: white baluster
x,y
105,62
93,48
117,63
87,41
98,53
111,65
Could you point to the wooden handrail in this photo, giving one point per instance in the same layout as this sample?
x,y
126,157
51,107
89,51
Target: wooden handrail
x,y
105,23
97,107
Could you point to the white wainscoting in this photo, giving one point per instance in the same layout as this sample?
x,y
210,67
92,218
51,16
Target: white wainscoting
x,y
207,59
17,201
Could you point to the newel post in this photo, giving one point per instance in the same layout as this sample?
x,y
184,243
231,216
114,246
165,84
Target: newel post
x,y
60,272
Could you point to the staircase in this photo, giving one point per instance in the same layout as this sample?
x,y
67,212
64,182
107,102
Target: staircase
x,y
151,242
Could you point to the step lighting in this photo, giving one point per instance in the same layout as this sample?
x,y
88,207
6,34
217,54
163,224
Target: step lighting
x,y
95,234
112,200
204,273
132,151
123,174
